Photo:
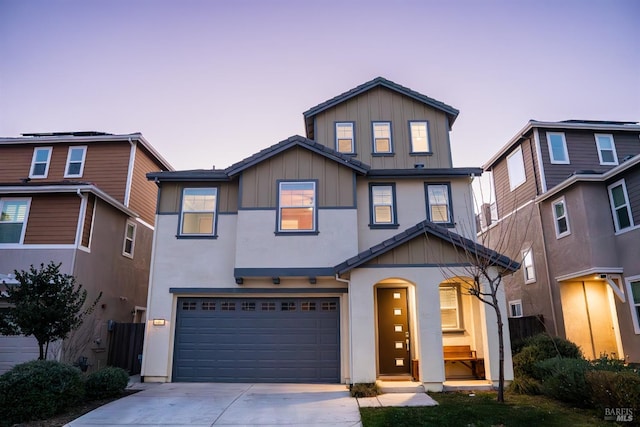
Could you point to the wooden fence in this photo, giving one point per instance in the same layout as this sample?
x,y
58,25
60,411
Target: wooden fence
x,y
125,347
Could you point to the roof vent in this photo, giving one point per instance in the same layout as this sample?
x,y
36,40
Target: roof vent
x,y
419,166
629,157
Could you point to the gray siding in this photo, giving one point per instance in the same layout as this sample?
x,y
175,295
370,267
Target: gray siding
x,y
171,193
632,180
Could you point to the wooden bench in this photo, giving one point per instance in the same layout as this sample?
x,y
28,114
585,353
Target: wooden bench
x,y
462,354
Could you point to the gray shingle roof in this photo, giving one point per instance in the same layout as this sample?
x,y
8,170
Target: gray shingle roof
x,y
424,172
451,112
435,230
190,175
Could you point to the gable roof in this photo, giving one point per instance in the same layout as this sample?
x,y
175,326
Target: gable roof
x,y
299,141
432,229
451,112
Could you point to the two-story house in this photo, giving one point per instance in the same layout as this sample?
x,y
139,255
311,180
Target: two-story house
x,y
569,194
81,199
335,257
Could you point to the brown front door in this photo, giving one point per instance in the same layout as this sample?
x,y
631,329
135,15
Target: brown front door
x,y
393,331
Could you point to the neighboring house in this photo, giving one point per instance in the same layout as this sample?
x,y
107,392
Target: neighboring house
x,y
81,199
327,258
570,194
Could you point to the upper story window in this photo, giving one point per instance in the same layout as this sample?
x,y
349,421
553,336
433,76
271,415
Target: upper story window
x,y
382,138
633,287
557,148
13,218
438,203
198,214
450,313
297,208
75,162
383,206
515,308
419,134
560,218
620,208
515,167
129,239
40,162
606,149
527,266
345,138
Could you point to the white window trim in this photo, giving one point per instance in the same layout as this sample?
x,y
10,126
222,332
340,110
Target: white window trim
x,y
182,212
564,147
353,137
314,208
529,250
632,306
66,167
26,218
391,205
373,134
427,137
133,239
33,162
456,288
613,148
627,205
516,303
513,184
555,219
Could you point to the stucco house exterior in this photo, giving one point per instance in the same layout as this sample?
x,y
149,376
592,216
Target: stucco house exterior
x,y
334,257
81,199
575,186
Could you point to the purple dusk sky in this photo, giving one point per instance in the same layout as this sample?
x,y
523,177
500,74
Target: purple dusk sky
x,y
211,82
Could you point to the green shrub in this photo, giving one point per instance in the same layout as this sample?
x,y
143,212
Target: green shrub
x,y
106,382
364,390
610,389
542,347
38,389
525,385
605,363
564,379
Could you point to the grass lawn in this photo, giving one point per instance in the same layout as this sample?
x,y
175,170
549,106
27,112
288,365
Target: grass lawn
x,y
460,409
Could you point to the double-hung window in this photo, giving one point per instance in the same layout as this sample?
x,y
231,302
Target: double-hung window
x,y
515,308
40,162
606,149
560,218
419,135
515,168
383,206
13,219
129,239
345,138
297,207
75,162
557,148
198,214
633,285
450,307
620,208
439,203
382,138
527,266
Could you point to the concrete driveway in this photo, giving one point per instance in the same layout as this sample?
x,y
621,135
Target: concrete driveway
x,y
207,404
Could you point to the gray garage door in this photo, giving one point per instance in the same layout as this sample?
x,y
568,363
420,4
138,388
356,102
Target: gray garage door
x,y
257,340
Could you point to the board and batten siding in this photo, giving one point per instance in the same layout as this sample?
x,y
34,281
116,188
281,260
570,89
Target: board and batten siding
x,y
420,251
506,199
53,219
171,195
143,195
335,181
381,104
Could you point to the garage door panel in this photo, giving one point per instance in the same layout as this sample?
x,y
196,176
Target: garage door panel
x,y
257,340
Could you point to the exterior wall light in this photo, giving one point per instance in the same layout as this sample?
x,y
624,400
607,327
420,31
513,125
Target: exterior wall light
x,y
158,322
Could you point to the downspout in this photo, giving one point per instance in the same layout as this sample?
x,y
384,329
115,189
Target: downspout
x,y
546,261
132,159
349,379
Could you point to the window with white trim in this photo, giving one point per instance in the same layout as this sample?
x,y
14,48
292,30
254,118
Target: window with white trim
x,y
345,140
129,239
560,218
557,148
606,149
620,208
633,287
383,210
40,162
527,266
382,138
419,134
515,168
450,307
297,206
198,213
13,219
515,308
439,206
75,162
